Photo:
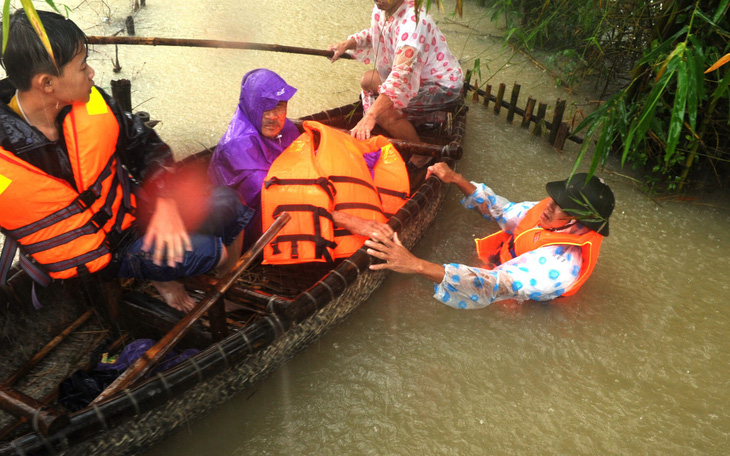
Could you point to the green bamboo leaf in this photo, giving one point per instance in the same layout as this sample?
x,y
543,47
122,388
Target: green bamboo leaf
x,y
584,147
721,10
663,48
695,85
38,26
53,5
677,118
629,141
654,97
6,24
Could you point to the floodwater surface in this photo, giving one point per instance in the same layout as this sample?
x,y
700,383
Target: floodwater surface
x,y
636,363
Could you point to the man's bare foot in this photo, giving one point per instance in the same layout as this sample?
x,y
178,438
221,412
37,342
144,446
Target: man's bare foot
x,y
175,295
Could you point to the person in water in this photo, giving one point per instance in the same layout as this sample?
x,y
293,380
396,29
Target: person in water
x,y
414,69
544,250
257,134
69,162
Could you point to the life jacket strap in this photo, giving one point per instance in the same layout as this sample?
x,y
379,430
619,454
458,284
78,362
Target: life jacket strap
x,y
78,205
352,180
322,182
10,247
320,243
95,223
389,192
370,207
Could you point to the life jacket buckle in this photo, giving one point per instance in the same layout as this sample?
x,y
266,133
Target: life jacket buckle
x,y
99,219
86,199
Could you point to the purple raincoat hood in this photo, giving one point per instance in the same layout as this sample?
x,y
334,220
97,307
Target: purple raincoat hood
x,y
262,90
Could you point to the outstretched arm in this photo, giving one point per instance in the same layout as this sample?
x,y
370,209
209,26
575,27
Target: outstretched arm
x,y
449,176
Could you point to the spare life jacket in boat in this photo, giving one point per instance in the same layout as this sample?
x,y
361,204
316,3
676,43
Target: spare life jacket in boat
x,y
63,228
529,236
324,170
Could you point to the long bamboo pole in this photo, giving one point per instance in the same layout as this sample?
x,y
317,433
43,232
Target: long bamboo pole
x,y
221,44
152,356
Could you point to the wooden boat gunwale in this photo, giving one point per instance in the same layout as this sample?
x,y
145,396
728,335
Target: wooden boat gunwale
x,y
219,372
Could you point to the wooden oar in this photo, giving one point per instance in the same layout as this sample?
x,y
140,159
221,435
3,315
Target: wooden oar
x,y
150,41
158,351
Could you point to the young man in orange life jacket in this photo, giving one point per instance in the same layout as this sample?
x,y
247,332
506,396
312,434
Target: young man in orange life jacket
x,y
69,159
544,250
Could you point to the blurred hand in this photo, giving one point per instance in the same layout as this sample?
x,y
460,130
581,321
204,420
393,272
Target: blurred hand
x,y
166,233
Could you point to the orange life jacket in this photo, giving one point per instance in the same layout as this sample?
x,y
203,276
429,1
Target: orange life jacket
x,y
322,171
60,227
529,236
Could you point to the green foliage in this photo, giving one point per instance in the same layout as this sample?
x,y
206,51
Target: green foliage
x,y
670,113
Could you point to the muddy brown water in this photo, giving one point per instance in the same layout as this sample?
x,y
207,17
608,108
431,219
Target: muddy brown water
x,y
635,363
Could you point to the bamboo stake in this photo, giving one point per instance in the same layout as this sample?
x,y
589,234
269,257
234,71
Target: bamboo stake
x,y
500,96
557,118
561,136
152,356
487,95
528,112
152,41
540,119
513,102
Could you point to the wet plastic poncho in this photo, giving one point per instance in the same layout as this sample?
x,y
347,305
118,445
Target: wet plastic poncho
x,y
243,155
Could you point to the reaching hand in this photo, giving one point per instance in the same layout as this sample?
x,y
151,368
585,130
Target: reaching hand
x,y
395,255
364,127
443,172
338,49
166,232
361,227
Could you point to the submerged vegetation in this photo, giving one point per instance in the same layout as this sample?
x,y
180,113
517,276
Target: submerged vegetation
x,y
664,114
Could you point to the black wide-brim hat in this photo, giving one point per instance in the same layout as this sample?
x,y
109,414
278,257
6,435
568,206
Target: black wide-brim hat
x,y
591,201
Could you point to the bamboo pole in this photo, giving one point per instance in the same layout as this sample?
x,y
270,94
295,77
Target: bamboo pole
x,y
49,346
152,356
220,44
45,419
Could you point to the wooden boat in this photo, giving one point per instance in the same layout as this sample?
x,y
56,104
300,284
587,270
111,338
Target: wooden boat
x,y
281,309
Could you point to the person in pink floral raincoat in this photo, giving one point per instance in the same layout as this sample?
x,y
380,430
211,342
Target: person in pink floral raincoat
x,y
415,69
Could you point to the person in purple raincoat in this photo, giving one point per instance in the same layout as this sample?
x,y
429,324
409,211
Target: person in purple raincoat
x,y
258,133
